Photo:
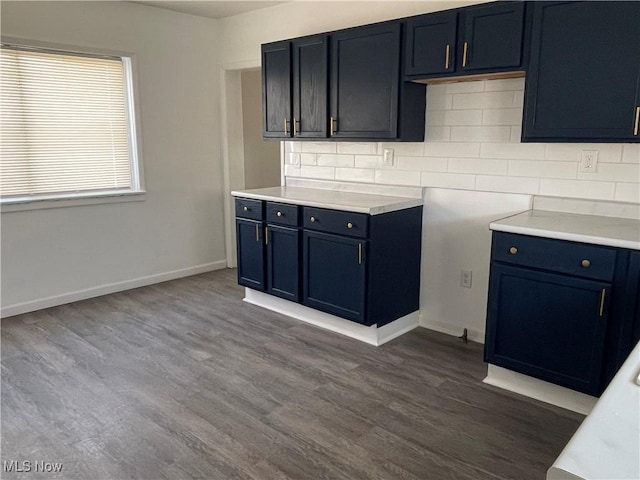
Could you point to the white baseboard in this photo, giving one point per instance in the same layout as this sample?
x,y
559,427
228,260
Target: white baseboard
x,y
371,335
539,389
472,334
53,301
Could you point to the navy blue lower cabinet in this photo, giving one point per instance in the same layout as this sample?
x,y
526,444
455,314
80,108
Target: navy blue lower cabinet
x,y
548,325
251,264
334,274
282,261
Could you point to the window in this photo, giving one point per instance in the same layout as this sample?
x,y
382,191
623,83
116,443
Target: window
x,y
67,128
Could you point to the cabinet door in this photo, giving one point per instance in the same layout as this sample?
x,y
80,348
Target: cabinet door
x,y
431,44
492,37
365,77
282,262
334,272
310,85
548,326
276,90
584,72
250,253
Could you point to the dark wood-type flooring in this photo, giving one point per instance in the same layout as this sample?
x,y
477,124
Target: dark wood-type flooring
x,y
183,380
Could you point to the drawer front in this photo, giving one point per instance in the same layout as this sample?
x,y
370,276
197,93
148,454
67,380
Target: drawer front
x,y
336,221
574,258
282,214
248,208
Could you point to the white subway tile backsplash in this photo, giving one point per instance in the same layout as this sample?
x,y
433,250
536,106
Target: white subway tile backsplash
x,y
520,151
504,84
365,175
336,160
627,192
454,117
312,171
492,183
478,165
368,161
318,147
425,164
308,159
631,153
613,172
397,177
446,149
408,148
448,180
437,134
472,142
358,148
477,134
467,101
502,116
542,169
577,189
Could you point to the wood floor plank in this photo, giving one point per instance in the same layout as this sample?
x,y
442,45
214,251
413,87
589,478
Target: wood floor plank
x,y
184,380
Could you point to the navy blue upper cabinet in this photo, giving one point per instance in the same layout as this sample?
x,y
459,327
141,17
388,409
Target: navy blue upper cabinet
x,y
367,98
583,83
276,90
484,39
310,86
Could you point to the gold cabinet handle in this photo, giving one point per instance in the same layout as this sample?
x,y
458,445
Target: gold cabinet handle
x,y
465,52
266,235
257,233
513,250
349,225
245,209
604,291
636,125
279,213
312,219
447,52
585,263
359,254
296,127
332,126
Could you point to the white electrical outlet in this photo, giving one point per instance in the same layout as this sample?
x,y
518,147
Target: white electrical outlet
x,y
589,162
465,278
294,159
387,157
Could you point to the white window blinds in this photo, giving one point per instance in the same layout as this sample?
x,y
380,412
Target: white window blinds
x,y
64,124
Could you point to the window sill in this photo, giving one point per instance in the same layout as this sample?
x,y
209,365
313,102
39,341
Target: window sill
x,y
19,205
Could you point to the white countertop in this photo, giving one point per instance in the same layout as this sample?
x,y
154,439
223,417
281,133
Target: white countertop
x,y
599,230
336,200
607,444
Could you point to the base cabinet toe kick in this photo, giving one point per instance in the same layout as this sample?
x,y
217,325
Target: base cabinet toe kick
x,y
360,267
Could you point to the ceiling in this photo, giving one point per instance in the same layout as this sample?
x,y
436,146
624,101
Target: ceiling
x,y
212,8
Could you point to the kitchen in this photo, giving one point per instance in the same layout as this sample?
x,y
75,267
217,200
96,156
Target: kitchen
x,y
473,174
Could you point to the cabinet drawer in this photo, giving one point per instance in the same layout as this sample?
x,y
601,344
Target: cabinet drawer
x,y
589,261
335,221
282,214
247,208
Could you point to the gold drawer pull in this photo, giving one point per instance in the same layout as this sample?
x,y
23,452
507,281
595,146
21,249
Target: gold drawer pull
x,y
585,263
349,225
446,56
245,209
602,295
465,52
279,214
312,219
636,124
513,250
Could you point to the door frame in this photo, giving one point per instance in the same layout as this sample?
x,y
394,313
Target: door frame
x,y
232,146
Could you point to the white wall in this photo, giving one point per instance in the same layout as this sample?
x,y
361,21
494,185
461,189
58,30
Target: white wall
x,y
472,165
61,254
